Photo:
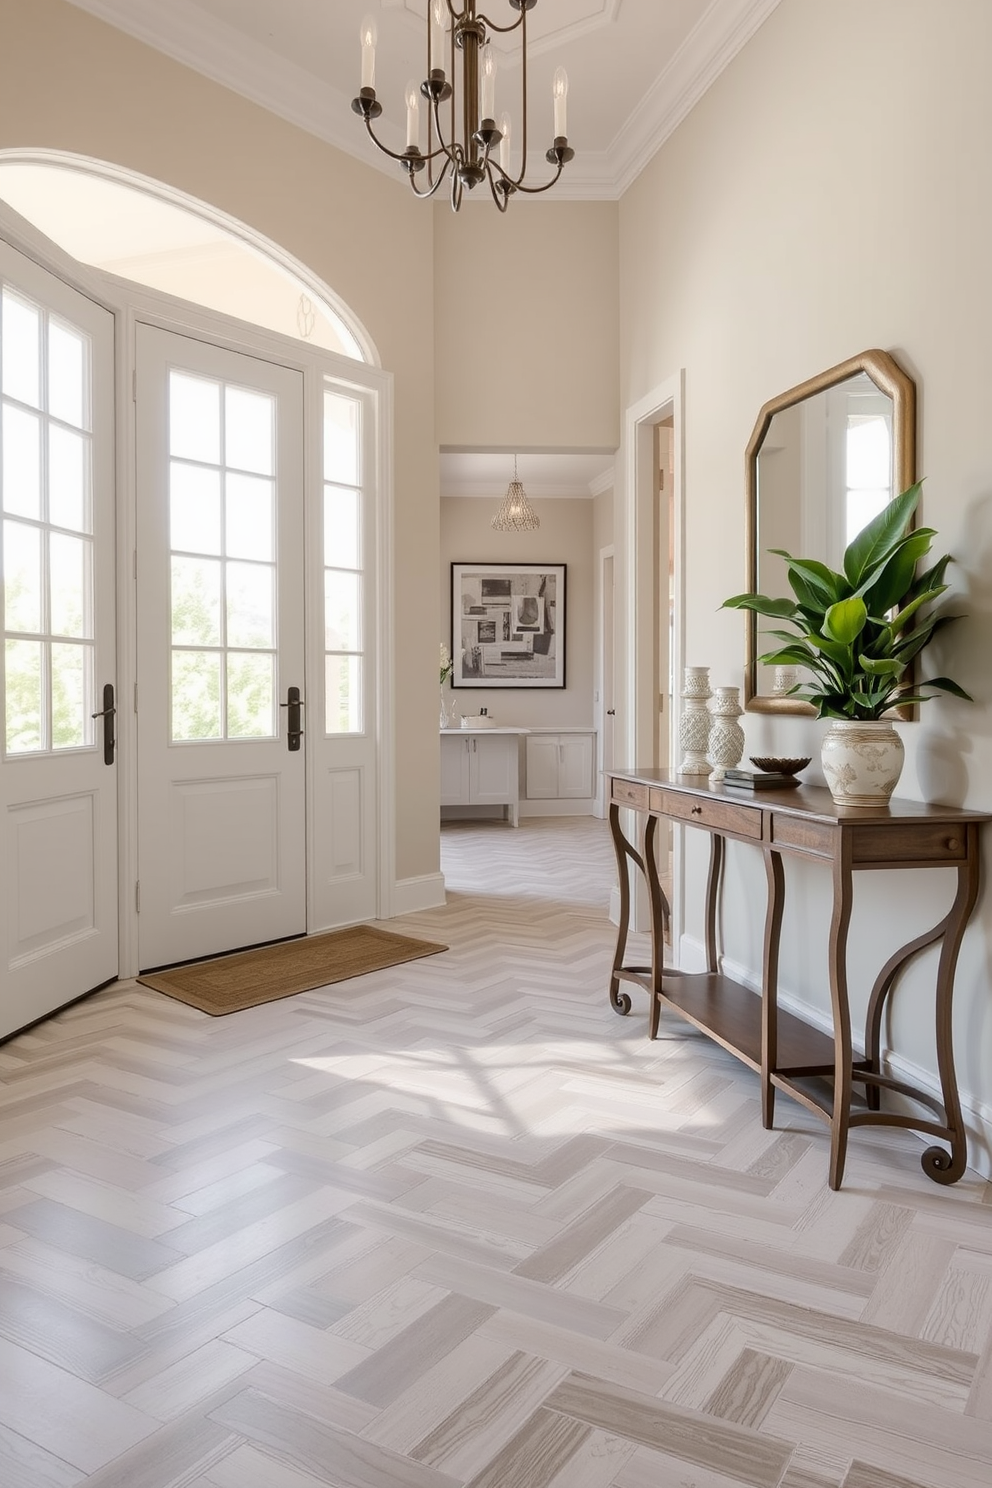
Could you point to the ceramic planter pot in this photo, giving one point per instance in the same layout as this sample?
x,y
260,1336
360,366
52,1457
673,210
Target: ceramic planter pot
x,y
862,760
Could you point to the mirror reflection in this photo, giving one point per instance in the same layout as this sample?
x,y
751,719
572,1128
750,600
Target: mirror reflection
x,y
824,459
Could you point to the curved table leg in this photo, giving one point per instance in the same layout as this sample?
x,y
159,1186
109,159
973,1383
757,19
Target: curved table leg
x,y
839,926
938,1164
660,917
775,876
620,1001
884,982
717,846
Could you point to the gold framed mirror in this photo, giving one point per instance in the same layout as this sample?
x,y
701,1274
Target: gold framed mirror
x,y
823,459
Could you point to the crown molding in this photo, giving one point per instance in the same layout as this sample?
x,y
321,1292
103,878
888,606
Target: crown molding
x,y
222,53
496,490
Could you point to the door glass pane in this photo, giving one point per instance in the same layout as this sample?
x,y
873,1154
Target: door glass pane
x,y
196,602
194,418
342,423
24,696
249,430
71,585
67,362
72,692
196,695
250,696
250,513
68,468
22,577
249,604
21,462
343,695
341,528
21,349
342,611
194,509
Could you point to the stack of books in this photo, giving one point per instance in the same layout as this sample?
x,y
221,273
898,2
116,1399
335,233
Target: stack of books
x,y
759,779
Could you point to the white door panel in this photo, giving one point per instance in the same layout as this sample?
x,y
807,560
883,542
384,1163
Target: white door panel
x,y
222,808
58,797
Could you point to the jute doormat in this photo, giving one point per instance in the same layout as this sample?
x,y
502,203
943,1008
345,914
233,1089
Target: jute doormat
x,y
247,978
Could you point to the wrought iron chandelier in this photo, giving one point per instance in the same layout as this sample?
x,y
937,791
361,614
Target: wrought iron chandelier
x,y
515,512
461,71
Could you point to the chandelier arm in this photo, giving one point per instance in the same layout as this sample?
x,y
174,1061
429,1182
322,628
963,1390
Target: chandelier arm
x,y
501,198
403,159
503,30
536,190
435,186
523,102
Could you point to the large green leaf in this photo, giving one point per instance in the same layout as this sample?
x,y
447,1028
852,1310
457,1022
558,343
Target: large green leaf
x,y
778,609
889,584
881,668
845,620
820,579
900,620
946,685
876,541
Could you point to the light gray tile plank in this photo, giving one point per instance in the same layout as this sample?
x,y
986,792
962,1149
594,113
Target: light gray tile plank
x,y
538,1452
749,1389
321,1449
23,1464
391,1370
62,1334
87,1428
571,1247
516,1293
482,1424
95,1239
750,1457
175,1453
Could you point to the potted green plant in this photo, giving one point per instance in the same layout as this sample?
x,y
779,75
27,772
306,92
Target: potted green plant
x,y
856,634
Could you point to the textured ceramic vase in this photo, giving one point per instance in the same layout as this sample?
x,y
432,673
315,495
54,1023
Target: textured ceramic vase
x,y
445,719
694,725
726,742
862,761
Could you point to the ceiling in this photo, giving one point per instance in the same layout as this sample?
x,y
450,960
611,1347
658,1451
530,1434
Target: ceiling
x,y
635,67
558,474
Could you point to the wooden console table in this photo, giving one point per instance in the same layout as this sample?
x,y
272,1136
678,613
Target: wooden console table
x,y
786,1052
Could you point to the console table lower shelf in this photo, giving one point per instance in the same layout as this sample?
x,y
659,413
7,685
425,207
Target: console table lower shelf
x,y
787,1053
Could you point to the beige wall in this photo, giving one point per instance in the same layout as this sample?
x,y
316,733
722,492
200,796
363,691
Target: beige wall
x,y
526,326
830,194
565,536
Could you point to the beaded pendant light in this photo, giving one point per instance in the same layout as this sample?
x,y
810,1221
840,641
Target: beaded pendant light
x,y
515,512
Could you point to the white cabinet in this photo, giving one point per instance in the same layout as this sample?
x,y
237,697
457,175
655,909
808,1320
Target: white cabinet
x,y
560,766
481,769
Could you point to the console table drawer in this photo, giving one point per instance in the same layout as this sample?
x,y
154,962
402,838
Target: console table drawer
x,y
919,842
626,793
719,816
807,836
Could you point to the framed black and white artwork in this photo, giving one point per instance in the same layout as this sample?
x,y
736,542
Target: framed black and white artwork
x,y
508,624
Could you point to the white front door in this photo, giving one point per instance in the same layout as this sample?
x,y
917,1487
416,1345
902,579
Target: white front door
x,y
58,780
220,649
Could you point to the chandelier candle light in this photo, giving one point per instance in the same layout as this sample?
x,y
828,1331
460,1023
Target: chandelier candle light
x,y
461,71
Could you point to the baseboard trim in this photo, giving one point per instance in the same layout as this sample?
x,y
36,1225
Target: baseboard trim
x,y
977,1116
410,895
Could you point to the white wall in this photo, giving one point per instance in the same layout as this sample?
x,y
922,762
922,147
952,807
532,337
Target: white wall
x,y
565,536
829,194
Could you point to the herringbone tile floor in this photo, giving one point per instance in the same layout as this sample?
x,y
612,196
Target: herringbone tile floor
x,y
457,1223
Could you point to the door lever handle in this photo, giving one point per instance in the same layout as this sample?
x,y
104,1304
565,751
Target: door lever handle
x,y
294,731
107,714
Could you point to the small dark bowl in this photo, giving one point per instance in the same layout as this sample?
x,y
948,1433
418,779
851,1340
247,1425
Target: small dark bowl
x,y
772,764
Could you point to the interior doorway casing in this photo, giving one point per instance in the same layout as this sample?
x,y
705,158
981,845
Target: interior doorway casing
x,y
638,636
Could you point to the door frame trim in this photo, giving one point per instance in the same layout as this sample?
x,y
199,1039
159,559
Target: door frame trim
x,y
636,645
130,303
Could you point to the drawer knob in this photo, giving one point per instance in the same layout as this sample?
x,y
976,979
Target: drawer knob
x,y
696,811
953,845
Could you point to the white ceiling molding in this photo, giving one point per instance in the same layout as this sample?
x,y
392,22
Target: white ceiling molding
x,y
536,490
221,52
719,34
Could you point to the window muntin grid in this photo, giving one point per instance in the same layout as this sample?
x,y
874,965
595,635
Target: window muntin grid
x,y
222,546
46,536
344,578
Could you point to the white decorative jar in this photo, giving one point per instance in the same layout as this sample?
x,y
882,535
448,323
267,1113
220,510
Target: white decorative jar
x,y
726,741
862,760
694,724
